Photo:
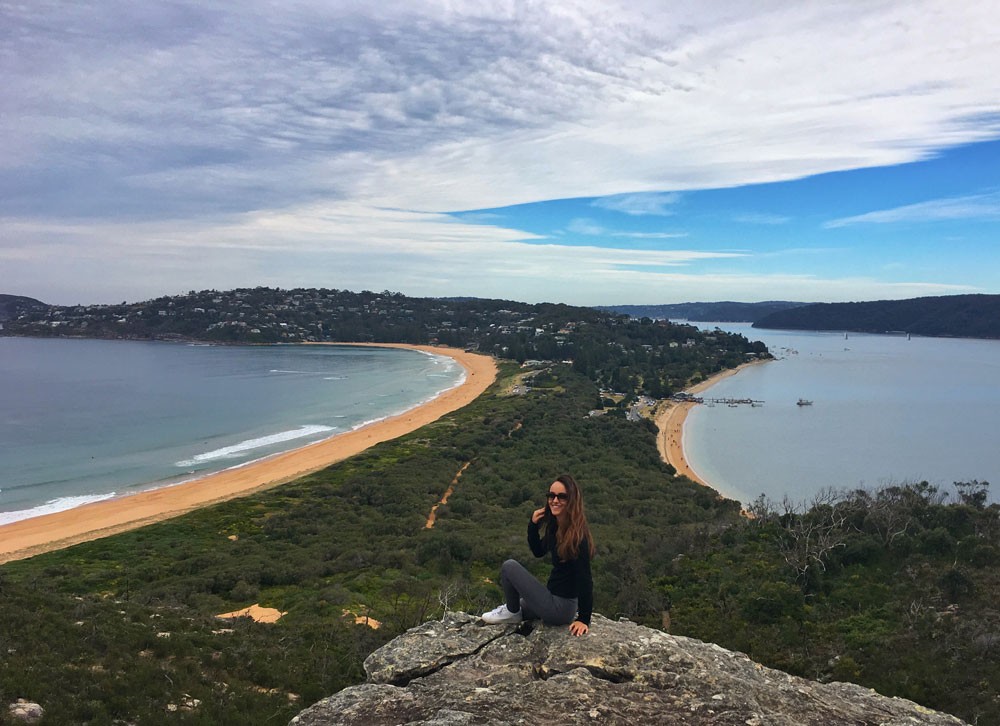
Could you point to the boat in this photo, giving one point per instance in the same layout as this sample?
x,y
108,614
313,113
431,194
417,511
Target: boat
x,y
803,402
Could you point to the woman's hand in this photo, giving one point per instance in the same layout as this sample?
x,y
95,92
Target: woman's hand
x,y
578,628
537,515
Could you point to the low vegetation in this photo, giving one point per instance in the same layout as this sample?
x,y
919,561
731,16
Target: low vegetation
x,y
894,589
124,629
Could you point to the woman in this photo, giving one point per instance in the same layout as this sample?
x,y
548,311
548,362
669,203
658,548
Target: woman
x,y
569,595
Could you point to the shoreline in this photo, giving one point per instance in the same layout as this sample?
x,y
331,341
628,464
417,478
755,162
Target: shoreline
x,y
28,537
670,418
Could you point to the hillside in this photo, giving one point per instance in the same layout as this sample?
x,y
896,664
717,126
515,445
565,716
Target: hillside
x,y
714,312
955,316
123,627
12,306
895,590
620,354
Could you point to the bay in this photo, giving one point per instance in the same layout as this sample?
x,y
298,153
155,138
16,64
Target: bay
x,y
84,420
886,410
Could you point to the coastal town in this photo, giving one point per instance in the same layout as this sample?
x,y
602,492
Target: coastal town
x,y
636,357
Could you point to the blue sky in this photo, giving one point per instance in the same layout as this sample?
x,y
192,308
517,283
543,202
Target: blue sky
x,y
576,151
935,221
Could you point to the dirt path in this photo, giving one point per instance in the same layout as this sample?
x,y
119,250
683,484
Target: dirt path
x,y
431,518
444,500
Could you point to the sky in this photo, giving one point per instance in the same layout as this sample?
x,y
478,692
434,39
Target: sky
x,y
591,153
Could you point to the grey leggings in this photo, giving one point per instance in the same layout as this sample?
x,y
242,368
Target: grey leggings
x,y
522,590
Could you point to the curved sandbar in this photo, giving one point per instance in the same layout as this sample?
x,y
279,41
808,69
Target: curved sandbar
x,y
30,537
670,421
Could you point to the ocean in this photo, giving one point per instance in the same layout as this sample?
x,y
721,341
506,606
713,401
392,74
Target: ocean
x,y
85,420
885,410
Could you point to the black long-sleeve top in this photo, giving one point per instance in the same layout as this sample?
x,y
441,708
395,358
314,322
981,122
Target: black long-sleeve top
x,y
571,578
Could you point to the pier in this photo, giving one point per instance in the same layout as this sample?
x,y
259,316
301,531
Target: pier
x,y
686,398
733,401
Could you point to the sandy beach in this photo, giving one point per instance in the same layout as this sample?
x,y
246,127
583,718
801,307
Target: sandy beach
x,y
670,419
30,537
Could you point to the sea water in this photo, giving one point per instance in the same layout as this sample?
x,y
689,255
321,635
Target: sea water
x,y
85,420
885,410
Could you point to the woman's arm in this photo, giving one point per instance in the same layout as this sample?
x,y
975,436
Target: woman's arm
x,y
534,539
585,590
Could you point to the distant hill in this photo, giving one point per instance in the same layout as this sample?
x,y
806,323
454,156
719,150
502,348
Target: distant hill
x,y
618,353
13,305
728,312
956,316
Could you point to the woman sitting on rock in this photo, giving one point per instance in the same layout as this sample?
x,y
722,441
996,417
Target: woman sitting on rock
x,y
569,595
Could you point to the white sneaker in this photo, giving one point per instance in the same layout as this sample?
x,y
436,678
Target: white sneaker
x,y
501,614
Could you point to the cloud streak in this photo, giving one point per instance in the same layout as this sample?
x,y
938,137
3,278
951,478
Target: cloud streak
x,y
640,204
342,240
590,228
343,128
979,206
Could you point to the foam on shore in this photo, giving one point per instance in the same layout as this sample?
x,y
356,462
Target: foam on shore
x,y
42,532
52,506
237,450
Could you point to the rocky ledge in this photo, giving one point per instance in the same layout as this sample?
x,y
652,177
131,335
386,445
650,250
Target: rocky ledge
x,y
459,672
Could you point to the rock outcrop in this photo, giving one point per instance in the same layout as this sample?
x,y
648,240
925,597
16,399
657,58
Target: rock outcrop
x,y
459,672
25,712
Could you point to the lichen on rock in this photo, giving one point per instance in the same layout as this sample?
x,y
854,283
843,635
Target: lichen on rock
x,y
459,671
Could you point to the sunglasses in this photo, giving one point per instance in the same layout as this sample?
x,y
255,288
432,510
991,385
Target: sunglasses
x,y
561,496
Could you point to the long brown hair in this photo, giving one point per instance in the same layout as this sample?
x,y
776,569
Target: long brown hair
x,y
574,528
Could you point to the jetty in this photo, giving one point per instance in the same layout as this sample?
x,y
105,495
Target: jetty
x,y
735,401
688,398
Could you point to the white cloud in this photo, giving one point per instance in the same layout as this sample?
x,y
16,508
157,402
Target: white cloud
x,y
980,206
272,128
351,246
658,204
650,235
586,226
489,105
338,245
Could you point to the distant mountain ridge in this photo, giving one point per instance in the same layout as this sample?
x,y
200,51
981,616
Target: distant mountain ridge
x,y
953,316
726,311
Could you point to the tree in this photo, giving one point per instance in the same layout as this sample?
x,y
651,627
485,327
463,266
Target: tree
x,y
973,493
811,536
